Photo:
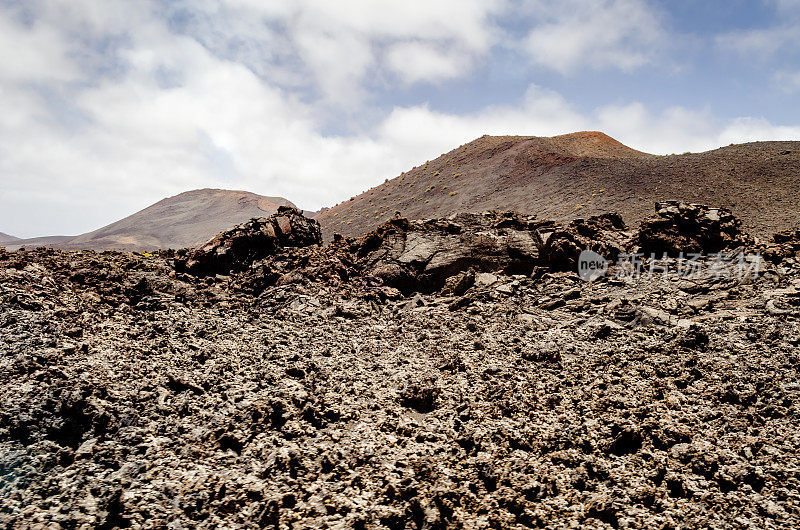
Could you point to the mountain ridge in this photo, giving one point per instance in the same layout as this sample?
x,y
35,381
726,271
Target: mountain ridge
x,y
183,220
582,174
8,238
563,177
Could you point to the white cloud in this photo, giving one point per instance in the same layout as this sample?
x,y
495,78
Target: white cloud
x,y
788,81
415,62
763,43
573,34
760,44
340,45
429,133
748,129
674,130
32,54
421,133
119,119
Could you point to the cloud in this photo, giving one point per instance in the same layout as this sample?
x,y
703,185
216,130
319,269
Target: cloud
x,y
426,133
764,43
760,44
674,130
118,105
33,54
788,81
415,62
343,45
429,133
573,34
748,129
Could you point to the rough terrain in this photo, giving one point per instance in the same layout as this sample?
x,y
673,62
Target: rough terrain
x,y
306,388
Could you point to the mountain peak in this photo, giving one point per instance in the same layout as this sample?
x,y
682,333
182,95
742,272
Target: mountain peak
x,y
577,175
589,144
183,220
6,238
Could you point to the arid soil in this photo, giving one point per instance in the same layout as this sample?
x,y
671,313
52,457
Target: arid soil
x,y
579,175
5,238
185,220
315,388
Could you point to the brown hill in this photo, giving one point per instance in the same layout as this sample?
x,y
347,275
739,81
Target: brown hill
x,y
582,174
5,238
184,220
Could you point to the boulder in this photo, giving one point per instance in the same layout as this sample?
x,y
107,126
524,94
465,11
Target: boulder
x,y
604,234
237,249
678,228
784,244
422,255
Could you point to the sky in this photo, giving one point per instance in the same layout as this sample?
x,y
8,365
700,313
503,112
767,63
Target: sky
x,y
107,106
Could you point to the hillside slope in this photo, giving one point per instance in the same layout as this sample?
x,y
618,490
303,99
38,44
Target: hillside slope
x,y
583,174
5,238
184,220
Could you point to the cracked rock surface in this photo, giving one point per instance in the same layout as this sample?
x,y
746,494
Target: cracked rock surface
x,y
135,396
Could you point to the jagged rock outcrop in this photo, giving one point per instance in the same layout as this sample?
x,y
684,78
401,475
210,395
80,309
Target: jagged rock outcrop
x,y
421,255
684,228
237,249
783,244
604,234
429,255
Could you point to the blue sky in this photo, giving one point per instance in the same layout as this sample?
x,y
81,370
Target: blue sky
x,y
107,107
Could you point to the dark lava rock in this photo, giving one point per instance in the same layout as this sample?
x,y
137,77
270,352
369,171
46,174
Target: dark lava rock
x,y
689,228
604,234
138,396
784,244
421,255
237,249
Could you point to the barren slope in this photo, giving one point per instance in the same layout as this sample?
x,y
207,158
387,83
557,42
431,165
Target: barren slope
x,y
187,219
582,174
5,238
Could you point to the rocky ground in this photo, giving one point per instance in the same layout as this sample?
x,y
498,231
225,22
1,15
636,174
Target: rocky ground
x,y
315,388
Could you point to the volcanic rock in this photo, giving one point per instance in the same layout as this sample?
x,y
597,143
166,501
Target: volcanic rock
x,y
137,396
421,255
604,234
684,228
783,244
237,249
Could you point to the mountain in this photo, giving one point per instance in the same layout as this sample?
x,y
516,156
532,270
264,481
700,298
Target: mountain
x,y
33,242
582,174
5,238
184,220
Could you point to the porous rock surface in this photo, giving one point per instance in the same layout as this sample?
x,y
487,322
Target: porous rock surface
x,y
424,255
135,396
421,255
235,249
684,228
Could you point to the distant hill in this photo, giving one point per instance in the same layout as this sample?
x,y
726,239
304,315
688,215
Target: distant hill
x,y
184,220
5,238
583,174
